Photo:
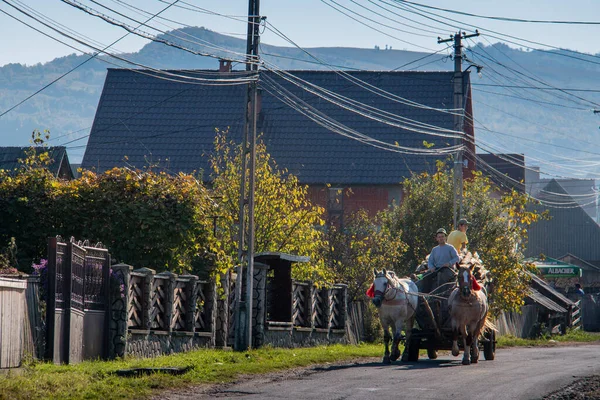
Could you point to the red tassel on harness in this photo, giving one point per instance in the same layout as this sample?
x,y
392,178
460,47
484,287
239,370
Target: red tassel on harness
x,y
371,291
476,285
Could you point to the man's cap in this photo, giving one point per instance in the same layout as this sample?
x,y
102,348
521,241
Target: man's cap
x,y
463,221
441,230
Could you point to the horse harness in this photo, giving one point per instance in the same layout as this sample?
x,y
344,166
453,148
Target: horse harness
x,y
393,291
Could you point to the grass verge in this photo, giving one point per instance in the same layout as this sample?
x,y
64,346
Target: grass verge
x,y
97,379
571,336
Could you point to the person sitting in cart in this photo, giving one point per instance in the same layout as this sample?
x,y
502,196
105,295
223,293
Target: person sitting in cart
x,y
442,255
458,238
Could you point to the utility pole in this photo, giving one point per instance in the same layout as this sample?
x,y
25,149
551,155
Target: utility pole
x,y
459,120
243,311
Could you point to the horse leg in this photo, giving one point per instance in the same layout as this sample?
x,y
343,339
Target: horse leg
x,y
475,351
409,327
475,346
455,350
386,342
397,329
463,332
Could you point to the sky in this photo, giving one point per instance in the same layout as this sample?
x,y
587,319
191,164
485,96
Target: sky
x,y
310,23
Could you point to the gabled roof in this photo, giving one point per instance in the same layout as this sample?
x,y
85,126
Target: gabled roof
x,y
60,167
580,262
569,229
151,120
581,190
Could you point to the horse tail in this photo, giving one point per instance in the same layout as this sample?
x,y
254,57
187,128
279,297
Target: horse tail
x,y
489,325
486,325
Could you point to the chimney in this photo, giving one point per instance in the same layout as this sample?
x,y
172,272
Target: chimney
x,y
224,65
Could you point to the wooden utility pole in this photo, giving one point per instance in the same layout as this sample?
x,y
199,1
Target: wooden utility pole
x,y
243,311
459,120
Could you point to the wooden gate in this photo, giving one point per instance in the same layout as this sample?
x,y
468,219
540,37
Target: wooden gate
x,y
77,305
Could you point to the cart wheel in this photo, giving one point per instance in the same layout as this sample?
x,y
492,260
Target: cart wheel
x,y
489,346
413,350
432,353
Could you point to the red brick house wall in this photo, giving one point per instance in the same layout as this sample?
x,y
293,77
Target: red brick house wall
x,y
340,202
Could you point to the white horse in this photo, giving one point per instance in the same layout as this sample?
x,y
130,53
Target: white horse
x,y
397,301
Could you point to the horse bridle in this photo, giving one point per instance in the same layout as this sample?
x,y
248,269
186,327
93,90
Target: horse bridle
x,y
388,289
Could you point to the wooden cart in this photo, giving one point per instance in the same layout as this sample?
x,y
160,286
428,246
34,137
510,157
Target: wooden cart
x,y
432,329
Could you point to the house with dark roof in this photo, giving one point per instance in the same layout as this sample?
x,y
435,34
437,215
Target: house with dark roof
x,y
59,166
569,230
143,119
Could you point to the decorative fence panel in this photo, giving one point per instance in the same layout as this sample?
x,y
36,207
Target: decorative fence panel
x,y
77,304
181,296
320,308
166,313
135,317
337,307
301,306
158,304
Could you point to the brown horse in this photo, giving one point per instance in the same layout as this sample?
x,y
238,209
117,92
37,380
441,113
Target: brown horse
x,y
468,314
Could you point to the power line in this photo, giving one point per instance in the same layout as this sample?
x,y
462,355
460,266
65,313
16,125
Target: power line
x,y
502,37
507,19
80,64
369,26
165,74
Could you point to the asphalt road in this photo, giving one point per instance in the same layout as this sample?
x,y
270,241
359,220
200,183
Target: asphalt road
x,y
516,373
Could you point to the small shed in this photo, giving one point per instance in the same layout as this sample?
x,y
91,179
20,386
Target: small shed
x,y
290,313
554,308
279,284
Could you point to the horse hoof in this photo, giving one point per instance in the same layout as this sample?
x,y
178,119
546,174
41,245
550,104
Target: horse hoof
x,y
386,360
474,360
455,352
466,362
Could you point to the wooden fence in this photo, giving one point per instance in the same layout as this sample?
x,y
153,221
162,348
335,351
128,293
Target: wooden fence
x,y
12,320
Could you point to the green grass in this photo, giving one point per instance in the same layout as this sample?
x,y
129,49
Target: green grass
x,y
97,379
571,336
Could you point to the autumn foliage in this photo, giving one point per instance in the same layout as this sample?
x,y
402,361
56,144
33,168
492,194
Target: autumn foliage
x,y
497,230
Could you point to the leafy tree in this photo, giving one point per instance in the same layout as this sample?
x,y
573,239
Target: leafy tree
x,y
285,219
363,244
497,230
